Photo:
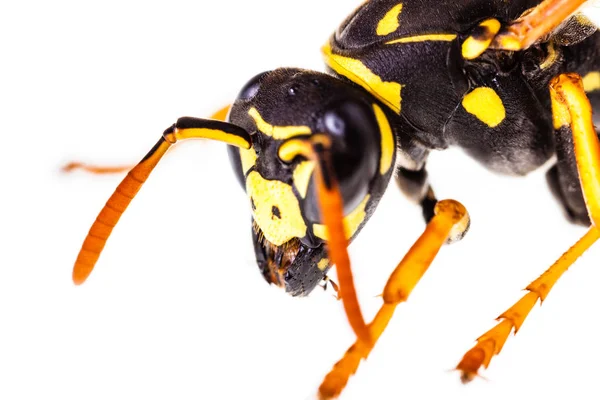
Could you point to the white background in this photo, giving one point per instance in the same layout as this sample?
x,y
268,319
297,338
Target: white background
x,y
176,308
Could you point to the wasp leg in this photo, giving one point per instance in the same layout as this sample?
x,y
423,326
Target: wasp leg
x,y
450,221
563,181
572,114
535,24
415,186
184,128
219,115
334,286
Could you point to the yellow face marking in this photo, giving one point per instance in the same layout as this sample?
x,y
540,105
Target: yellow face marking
x,y
323,264
387,140
485,104
551,58
215,134
389,23
351,221
473,46
269,195
591,81
302,174
277,132
357,72
434,37
248,159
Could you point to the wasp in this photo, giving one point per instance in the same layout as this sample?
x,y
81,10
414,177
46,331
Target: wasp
x,y
514,84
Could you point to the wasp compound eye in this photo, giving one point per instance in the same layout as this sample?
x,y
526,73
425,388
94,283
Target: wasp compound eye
x,y
251,88
354,132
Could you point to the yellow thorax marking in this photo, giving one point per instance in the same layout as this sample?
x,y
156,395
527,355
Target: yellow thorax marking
x,y
276,209
387,140
277,132
473,46
302,174
351,221
434,37
591,81
485,104
357,72
551,58
248,159
389,23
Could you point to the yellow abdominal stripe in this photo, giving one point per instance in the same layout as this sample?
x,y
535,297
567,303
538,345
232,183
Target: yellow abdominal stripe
x,y
485,104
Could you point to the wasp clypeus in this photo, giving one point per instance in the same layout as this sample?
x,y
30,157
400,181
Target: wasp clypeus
x,y
513,83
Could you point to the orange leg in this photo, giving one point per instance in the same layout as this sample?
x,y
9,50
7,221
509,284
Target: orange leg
x,y
535,24
450,221
571,110
316,147
219,115
185,128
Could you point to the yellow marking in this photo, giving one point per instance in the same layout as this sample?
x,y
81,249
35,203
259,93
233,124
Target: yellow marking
x,y
434,37
265,194
485,104
277,132
551,58
323,264
591,81
508,43
389,23
387,140
583,20
302,174
215,134
357,72
293,148
473,47
351,221
248,159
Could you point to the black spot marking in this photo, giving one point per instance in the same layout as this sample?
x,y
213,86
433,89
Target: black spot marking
x,y
482,33
252,203
276,213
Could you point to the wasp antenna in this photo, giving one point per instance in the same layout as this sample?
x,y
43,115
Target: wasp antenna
x,y
184,128
317,148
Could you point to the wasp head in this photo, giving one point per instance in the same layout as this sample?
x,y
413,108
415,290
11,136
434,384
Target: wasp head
x,y
276,106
